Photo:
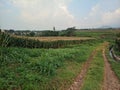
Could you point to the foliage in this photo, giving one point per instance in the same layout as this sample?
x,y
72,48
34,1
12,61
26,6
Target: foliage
x,y
34,69
117,45
118,34
50,33
68,32
4,39
32,34
7,41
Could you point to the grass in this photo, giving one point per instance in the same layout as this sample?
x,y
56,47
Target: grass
x,y
51,69
96,33
44,69
64,76
94,77
116,68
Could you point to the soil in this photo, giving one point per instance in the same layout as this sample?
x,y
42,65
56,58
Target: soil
x,y
111,82
77,84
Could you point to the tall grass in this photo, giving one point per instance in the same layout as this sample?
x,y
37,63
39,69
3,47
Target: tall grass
x,y
34,69
4,39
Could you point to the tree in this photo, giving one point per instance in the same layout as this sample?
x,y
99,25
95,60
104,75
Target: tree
x,y
32,34
70,31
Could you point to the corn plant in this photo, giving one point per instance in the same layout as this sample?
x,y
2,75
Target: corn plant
x,y
4,39
30,43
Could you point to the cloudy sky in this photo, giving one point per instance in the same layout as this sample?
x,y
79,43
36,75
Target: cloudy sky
x,y
44,14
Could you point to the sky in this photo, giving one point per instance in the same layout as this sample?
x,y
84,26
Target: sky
x,y
61,14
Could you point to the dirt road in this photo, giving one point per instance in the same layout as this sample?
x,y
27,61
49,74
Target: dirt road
x,y
77,84
111,82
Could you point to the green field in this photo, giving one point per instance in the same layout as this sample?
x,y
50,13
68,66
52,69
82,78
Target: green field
x,y
35,68
27,64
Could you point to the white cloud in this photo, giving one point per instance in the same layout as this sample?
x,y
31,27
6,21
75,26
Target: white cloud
x,y
112,17
94,10
93,19
66,12
44,12
98,17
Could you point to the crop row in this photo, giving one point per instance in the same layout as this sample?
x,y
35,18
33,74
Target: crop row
x,y
7,40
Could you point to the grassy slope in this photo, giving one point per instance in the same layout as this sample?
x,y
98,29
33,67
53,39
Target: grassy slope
x,y
94,78
35,69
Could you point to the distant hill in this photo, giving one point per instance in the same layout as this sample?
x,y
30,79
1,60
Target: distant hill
x,y
105,27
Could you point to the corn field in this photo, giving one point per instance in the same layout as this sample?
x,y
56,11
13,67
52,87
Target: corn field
x,y
4,39
7,41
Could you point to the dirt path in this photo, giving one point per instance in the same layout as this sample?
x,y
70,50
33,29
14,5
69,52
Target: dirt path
x,y
111,82
77,84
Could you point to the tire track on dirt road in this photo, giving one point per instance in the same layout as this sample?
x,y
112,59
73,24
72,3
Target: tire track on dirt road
x,y
111,82
77,84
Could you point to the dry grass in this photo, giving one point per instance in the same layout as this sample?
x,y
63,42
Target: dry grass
x,y
56,38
